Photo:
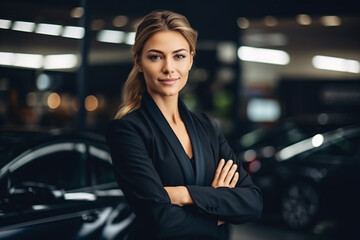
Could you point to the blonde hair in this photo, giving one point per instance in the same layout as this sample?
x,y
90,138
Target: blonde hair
x,y
160,20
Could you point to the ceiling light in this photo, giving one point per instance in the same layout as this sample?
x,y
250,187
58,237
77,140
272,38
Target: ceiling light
x,y
130,38
73,32
5,24
263,55
111,36
330,21
77,12
28,60
243,22
23,26
6,58
303,19
336,64
49,29
60,61
120,21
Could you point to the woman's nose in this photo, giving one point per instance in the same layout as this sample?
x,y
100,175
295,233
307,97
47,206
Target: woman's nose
x,y
168,67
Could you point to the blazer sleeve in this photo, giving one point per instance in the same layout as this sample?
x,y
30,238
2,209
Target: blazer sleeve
x,y
233,205
138,179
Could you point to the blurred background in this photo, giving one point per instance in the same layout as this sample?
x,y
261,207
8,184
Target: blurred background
x,y
291,68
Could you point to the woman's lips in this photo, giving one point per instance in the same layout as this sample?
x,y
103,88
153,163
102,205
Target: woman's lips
x,y
168,81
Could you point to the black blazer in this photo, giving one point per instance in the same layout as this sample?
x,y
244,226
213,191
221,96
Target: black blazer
x,y
147,156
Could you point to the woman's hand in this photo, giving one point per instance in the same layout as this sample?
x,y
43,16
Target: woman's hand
x,y
225,175
179,195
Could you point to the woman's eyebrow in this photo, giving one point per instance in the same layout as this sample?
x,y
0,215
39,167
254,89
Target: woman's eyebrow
x,y
154,50
161,52
180,50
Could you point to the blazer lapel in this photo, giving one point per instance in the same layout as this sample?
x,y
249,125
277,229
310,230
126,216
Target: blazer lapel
x,y
168,133
196,143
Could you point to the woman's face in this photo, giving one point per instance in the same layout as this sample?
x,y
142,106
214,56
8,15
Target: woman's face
x,y
165,62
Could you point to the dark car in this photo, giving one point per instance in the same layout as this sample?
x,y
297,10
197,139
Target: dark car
x,y
59,185
313,178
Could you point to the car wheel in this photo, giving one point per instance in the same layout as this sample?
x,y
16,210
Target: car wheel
x,y
300,205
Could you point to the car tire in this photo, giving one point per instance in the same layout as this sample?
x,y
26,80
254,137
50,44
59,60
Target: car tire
x,y
300,205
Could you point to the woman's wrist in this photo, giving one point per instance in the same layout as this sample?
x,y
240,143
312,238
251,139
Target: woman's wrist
x,y
186,197
179,195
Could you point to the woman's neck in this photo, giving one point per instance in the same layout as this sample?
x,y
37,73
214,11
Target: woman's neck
x,y
169,108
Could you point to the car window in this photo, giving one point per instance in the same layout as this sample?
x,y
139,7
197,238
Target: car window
x,y
100,156
58,165
343,147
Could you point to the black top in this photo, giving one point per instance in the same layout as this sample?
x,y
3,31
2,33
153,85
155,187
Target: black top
x,y
147,156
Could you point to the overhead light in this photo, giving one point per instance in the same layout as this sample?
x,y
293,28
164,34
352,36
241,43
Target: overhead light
x,y
263,55
27,60
23,26
120,21
336,64
243,22
6,58
5,24
330,21
73,32
49,29
77,12
130,38
36,61
60,61
110,36
303,19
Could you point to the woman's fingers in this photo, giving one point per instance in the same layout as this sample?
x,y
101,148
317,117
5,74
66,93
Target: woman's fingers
x,y
230,174
225,174
225,171
219,169
234,180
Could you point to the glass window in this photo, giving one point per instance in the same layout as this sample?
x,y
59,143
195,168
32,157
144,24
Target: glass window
x,y
343,147
102,165
64,169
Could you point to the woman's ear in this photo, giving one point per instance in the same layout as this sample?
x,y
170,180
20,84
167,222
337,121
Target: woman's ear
x,y
138,63
191,59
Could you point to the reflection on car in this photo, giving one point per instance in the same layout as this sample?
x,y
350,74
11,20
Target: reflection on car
x,y
309,179
59,185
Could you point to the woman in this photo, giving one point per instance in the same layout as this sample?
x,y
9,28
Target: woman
x,y
175,168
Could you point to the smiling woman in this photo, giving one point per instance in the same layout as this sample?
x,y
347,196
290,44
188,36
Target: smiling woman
x,y
165,63
177,171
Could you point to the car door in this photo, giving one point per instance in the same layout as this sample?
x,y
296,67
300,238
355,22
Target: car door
x,y
49,194
109,194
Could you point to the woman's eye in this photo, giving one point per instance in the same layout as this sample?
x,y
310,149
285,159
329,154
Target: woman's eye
x,y
179,56
155,57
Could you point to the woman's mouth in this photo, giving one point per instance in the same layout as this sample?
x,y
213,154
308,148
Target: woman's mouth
x,y
168,81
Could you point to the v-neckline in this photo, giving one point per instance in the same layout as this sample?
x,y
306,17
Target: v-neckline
x,y
191,177
187,131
